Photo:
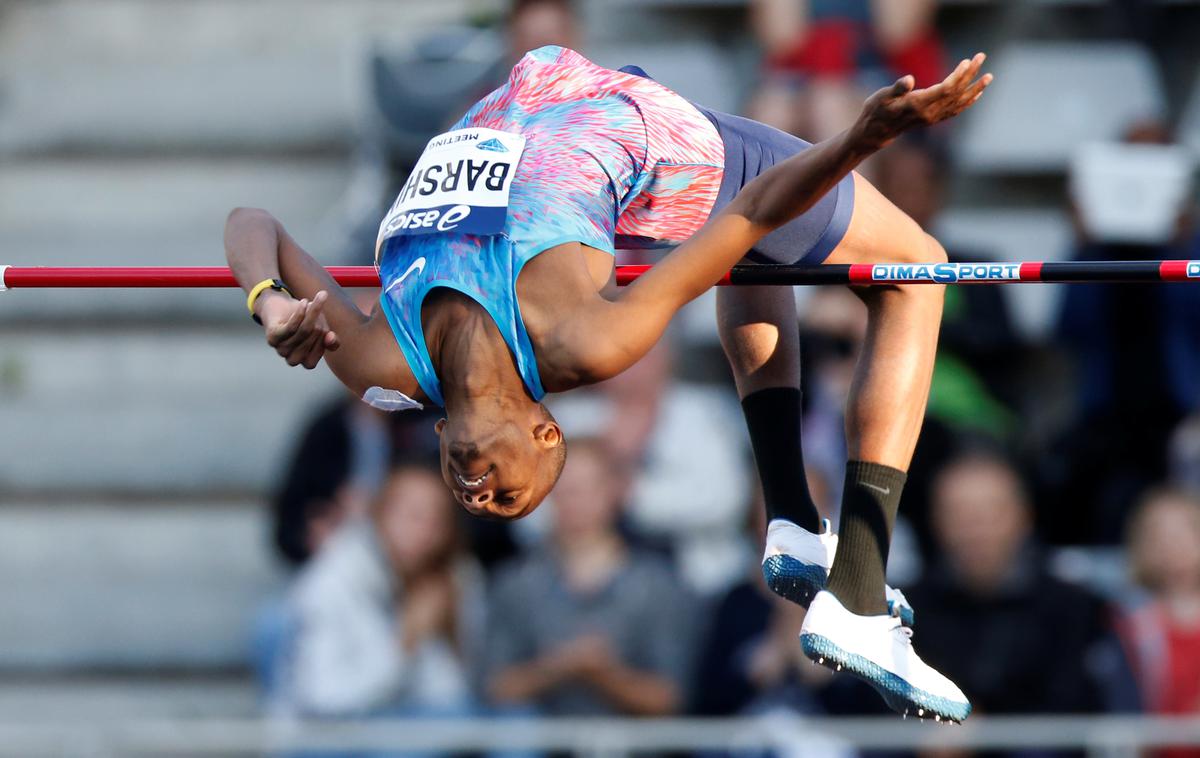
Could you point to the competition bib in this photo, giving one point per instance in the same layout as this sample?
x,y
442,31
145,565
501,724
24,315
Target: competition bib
x,y
460,184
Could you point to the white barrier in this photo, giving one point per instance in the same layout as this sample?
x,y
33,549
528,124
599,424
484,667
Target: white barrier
x,y
596,738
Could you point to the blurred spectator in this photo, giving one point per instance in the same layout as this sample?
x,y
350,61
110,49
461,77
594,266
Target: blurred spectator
x,y
823,57
1136,348
588,625
993,619
1162,631
389,614
338,467
681,458
535,23
1184,454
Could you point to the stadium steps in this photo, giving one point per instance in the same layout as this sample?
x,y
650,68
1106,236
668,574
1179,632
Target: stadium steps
x,y
140,430
71,699
103,211
101,586
139,75
178,410
1050,97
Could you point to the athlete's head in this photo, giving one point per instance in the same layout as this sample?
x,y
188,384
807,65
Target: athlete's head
x,y
500,461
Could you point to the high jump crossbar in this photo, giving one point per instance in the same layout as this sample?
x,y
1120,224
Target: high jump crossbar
x,y
1062,272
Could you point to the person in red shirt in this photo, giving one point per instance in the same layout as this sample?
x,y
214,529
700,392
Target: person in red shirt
x,y
1162,634
821,57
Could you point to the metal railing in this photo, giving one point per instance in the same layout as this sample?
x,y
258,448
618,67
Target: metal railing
x,y
588,738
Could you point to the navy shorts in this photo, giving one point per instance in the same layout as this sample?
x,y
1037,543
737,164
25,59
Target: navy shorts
x,y
750,149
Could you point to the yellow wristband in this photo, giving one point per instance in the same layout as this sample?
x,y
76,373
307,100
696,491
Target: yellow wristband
x,y
261,287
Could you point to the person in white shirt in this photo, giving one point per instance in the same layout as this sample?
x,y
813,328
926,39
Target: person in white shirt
x,y
389,613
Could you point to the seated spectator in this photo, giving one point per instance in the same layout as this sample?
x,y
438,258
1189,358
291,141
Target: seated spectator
x,y
681,472
1135,348
338,467
389,613
1162,632
1037,645
588,625
824,56
335,471
535,23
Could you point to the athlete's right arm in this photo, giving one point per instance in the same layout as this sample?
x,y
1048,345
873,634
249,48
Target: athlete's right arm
x,y
322,322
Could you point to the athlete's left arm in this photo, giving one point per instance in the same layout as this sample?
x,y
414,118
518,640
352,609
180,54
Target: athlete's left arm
x,y
605,338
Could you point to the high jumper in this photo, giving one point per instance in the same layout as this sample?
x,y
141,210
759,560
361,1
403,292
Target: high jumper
x,y
497,268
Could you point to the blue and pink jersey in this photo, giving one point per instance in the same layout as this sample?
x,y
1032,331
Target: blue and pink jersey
x,y
607,158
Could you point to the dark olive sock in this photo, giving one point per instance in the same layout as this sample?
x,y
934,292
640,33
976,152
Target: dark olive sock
x,y
773,418
869,504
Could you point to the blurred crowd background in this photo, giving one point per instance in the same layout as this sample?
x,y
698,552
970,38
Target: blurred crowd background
x,y
189,528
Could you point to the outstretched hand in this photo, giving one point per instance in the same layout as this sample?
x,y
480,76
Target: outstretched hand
x,y
894,110
297,329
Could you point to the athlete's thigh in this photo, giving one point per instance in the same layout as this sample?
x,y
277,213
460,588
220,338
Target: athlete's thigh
x,y
879,232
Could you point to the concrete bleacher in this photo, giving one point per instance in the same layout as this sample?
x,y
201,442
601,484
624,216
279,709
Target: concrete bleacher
x,y
140,431
108,211
1051,97
106,585
136,75
172,409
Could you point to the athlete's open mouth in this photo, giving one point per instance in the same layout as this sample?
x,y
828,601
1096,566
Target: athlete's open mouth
x,y
472,483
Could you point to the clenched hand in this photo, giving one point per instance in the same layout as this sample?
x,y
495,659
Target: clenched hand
x,y
297,329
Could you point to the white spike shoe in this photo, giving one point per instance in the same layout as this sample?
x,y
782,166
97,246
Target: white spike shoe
x,y
878,650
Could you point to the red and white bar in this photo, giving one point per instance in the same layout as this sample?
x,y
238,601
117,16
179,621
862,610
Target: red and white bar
x,y
28,277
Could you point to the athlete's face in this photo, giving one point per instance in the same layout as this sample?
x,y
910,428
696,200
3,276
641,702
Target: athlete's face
x,y
501,467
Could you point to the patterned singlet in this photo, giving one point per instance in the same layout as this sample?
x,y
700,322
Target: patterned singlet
x,y
610,160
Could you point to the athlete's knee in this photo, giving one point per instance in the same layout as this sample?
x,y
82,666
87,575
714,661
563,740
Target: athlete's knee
x,y
924,249
934,250
916,246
